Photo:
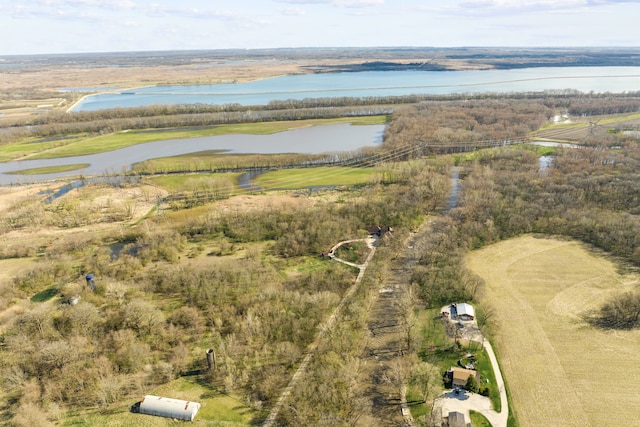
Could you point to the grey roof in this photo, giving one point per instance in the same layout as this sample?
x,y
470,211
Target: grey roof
x,y
464,308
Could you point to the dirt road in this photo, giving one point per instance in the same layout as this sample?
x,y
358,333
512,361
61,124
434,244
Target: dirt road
x,y
386,348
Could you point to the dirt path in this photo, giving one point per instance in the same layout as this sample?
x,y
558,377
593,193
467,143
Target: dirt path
x,y
273,415
387,343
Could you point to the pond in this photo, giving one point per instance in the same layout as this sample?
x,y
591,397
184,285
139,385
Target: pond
x,y
311,140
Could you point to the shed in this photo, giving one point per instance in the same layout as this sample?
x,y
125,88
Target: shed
x,y
456,419
465,311
169,408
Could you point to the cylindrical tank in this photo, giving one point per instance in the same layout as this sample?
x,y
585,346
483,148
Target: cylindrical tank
x,y
211,359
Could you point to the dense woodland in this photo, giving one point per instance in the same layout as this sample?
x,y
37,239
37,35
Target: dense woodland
x,y
156,309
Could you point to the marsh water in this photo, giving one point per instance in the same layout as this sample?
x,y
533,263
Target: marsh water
x,y
310,140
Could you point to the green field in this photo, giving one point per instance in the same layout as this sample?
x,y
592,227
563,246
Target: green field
x,y
217,409
50,169
176,183
310,177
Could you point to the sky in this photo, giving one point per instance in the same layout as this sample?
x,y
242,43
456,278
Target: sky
x,y
75,26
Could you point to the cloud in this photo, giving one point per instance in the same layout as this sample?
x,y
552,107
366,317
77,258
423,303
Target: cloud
x,y
292,11
359,3
536,5
516,7
304,1
339,3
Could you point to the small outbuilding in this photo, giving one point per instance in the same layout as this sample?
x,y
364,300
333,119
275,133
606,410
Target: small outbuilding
x,y
167,407
456,419
465,311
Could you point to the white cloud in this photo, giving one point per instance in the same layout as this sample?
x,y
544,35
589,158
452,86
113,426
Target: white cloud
x,y
304,1
536,5
339,3
359,3
292,11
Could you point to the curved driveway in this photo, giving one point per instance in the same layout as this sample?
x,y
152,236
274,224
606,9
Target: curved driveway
x,y
470,401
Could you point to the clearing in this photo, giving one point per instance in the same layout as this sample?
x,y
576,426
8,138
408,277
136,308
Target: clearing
x,y
559,370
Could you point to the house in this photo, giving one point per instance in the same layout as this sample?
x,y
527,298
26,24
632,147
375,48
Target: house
x,y
465,311
167,407
456,419
460,376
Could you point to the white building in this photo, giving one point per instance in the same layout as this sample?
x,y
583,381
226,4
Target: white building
x,y
465,311
169,408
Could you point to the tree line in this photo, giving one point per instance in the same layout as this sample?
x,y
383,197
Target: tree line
x,y
66,125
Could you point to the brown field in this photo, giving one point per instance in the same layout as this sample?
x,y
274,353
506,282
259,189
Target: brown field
x,y
559,370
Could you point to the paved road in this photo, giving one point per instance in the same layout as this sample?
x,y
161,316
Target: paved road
x,y
449,401
500,419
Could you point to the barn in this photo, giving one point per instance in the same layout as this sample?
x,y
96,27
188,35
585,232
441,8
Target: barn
x,y
465,311
169,408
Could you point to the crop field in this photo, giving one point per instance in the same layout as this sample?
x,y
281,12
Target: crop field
x,y
559,370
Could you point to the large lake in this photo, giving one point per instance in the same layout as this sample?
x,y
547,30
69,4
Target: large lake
x,y
376,83
312,140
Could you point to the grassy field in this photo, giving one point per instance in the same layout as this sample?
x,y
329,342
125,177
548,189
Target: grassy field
x,y
560,370
174,183
322,176
51,169
217,409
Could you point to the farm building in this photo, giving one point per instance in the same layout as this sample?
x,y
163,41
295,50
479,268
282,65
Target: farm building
x,y
167,407
461,375
465,311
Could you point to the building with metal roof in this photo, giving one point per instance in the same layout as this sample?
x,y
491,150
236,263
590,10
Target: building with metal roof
x,y
168,408
465,311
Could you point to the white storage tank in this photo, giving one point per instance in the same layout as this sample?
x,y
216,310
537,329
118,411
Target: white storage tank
x,y
169,408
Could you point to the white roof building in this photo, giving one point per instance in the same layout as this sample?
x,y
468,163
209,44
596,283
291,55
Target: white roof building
x,y
465,310
169,408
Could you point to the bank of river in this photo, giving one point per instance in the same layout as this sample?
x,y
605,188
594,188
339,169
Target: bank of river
x,y
375,83
312,140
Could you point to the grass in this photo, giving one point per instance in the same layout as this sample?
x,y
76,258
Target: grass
x,y
483,365
178,182
98,144
312,177
45,295
419,410
560,371
478,420
50,169
355,252
217,409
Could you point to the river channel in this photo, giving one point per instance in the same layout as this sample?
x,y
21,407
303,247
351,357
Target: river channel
x,y
311,140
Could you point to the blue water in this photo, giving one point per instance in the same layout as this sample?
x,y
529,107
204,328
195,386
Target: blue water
x,y
310,140
376,83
